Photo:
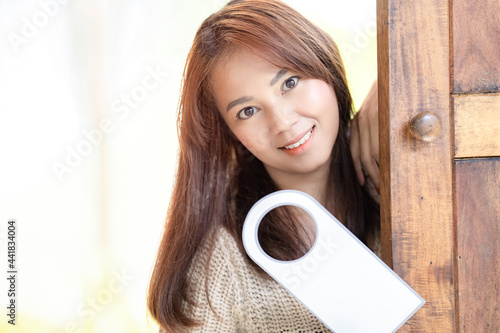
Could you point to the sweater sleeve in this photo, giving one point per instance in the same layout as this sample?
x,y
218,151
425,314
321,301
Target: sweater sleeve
x,y
214,290
228,295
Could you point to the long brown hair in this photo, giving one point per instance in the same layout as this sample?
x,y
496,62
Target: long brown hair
x,y
216,176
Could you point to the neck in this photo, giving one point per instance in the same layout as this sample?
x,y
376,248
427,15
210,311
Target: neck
x,y
313,183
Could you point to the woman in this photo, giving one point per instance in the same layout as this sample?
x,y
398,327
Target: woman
x,y
264,106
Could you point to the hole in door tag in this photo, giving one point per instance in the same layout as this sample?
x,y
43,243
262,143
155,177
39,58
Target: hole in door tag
x,y
339,280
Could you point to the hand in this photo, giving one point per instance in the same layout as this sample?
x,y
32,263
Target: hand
x,y
364,138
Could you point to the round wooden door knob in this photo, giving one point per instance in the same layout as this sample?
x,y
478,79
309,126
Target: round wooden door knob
x,y
425,126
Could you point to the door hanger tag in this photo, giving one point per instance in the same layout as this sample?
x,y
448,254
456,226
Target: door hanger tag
x,y
339,280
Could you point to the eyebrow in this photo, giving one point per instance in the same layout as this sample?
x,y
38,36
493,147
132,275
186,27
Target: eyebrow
x,y
277,77
239,101
249,98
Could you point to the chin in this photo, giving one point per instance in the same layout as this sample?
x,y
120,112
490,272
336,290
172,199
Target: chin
x,y
312,165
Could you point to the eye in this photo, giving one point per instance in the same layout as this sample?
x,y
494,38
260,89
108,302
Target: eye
x,y
247,112
290,83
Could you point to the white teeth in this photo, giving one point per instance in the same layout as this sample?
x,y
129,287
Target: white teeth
x,y
301,141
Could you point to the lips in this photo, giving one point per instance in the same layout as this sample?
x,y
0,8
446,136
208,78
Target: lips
x,y
299,140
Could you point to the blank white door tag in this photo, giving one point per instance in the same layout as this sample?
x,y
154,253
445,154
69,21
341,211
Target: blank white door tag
x,y
339,280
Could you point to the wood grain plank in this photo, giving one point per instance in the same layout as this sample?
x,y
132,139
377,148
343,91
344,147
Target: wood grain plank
x,y
477,125
416,187
476,46
477,185
384,135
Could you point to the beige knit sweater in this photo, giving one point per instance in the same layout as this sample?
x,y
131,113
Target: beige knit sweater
x,y
243,300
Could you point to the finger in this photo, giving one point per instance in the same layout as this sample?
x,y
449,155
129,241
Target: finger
x,y
373,171
355,151
374,136
367,159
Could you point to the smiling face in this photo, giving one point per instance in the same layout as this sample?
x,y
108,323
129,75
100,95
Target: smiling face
x,y
288,122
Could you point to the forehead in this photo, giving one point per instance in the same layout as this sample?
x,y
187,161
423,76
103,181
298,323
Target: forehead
x,y
239,74
243,63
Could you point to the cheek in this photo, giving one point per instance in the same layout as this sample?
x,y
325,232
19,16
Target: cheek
x,y
325,95
329,106
255,139
318,99
327,111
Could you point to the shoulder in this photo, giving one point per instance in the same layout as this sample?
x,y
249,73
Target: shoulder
x,y
214,284
218,258
230,295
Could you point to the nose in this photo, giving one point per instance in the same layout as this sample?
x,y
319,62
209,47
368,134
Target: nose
x,y
281,118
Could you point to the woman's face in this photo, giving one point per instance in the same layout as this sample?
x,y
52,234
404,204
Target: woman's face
x,y
288,122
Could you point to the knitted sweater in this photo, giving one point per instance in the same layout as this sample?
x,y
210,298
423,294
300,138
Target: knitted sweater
x,y
243,300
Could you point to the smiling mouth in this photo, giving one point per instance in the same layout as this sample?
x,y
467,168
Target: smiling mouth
x,y
301,141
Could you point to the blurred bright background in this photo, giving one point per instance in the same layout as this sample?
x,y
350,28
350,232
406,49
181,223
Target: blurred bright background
x,y
88,97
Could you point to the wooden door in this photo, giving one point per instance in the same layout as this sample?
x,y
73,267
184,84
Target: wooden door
x,y
439,65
